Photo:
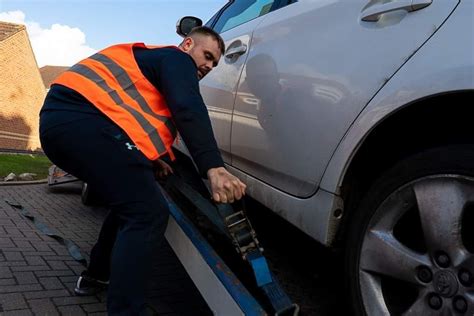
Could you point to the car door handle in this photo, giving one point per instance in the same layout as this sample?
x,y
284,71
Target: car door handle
x,y
236,51
373,13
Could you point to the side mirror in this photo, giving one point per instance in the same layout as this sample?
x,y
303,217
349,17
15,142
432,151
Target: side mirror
x,y
186,24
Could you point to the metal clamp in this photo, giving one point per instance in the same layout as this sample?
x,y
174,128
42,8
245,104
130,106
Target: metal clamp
x,y
243,235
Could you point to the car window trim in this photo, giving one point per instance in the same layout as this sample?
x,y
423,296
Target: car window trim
x,y
277,4
219,13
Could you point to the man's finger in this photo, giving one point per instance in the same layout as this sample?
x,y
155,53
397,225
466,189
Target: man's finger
x,y
228,185
238,193
223,198
235,183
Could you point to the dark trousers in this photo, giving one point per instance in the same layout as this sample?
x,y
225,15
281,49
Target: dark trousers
x,y
101,154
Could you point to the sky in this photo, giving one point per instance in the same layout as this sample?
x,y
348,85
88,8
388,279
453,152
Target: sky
x,y
62,32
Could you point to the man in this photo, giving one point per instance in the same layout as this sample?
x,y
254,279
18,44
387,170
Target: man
x,y
108,120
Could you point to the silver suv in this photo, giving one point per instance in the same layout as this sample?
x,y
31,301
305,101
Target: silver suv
x,y
353,120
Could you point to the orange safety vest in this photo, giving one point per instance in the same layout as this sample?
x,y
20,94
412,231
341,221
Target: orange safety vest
x,y
113,82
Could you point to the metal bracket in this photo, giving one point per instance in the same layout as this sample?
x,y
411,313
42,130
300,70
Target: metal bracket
x,y
243,235
58,176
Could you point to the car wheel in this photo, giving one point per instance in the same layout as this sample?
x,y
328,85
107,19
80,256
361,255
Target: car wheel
x,y
411,242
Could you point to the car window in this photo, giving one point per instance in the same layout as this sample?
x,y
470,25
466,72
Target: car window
x,y
239,12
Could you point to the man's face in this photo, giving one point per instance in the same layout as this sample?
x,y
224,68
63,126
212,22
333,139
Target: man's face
x,y
205,52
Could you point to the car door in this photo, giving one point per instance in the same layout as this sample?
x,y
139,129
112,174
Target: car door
x,y
235,22
312,67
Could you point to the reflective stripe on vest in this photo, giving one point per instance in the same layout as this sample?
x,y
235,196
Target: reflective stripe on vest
x,y
91,75
128,86
112,81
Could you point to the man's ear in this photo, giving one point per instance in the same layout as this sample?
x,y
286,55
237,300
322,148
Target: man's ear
x,y
187,44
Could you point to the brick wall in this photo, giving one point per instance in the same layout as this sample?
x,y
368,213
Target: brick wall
x,y
21,94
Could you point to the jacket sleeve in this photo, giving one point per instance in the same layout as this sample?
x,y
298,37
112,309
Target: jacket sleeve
x,y
178,83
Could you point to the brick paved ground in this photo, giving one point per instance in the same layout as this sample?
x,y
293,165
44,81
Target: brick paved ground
x,y
37,275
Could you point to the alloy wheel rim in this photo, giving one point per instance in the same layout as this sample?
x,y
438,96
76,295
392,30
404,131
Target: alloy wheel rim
x,y
435,272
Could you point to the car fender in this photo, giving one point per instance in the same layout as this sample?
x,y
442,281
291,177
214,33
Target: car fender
x,y
444,64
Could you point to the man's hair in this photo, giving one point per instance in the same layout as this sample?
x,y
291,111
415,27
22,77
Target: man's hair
x,y
207,31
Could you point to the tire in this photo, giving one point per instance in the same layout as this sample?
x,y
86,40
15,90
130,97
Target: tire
x,y
410,247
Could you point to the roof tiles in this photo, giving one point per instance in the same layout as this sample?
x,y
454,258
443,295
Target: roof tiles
x,y
8,29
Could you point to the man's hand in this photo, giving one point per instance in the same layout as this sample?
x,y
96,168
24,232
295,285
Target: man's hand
x,y
162,169
225,187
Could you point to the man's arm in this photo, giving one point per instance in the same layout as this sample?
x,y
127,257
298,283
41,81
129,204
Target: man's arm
x,y
176,78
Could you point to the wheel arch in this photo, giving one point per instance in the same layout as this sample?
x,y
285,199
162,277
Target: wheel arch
x,y
434,121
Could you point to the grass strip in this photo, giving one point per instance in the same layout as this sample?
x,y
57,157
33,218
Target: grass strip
x,y
21,163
